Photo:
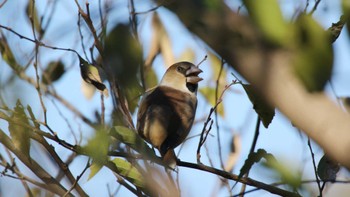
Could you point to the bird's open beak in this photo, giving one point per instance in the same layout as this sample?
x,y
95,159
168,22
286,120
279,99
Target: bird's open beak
x,y
192,75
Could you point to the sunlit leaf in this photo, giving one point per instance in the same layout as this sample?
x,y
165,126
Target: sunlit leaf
x,y
91,75
94,169
53,72
346,11
154,48
19,130
7,54
123,55
97,146
187,55
133,140
264,111
287,175
151,79
314,60
32,14
30,111
127,170
268,17
161,38
209,94
327,169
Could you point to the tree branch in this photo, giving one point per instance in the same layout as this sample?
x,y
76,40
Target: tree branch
x,y
52,184
227,175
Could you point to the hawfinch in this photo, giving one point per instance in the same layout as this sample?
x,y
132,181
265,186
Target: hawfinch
x,y
166,112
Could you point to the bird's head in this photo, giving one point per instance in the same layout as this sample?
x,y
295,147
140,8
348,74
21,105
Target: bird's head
x,y
182,76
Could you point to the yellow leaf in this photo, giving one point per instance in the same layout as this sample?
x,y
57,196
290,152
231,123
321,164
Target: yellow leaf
x,y
161,41
127,170
314,53
94,169
187,55
97,147
18,130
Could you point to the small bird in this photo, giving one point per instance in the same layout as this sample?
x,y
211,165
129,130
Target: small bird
x,y
166,112
91,75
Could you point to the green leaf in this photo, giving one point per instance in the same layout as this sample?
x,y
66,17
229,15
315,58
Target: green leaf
x,y
32,14
151,79
264,111
7,55
97,147
268,17
314,54
327,169
160,42
253,158
127,170
94,169
133,140
18,130
288,176
123,54
346,11
209,95
53,72
30,111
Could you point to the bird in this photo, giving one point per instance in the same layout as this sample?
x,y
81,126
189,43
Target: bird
x,y
91,75
166,112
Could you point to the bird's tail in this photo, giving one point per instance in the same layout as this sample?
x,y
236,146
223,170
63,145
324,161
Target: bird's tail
x,y
169,158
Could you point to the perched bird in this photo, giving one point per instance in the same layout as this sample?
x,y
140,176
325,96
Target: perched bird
x,y
91,75
166,112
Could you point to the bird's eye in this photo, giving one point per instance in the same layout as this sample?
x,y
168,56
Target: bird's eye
x,y
180,69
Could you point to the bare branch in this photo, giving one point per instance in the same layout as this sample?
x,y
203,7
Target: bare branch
x,y
52,184
248,181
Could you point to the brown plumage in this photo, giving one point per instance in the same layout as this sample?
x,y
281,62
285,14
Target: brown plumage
x,y
166,113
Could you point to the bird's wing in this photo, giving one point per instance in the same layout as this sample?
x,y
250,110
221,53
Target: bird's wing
x,y
154,118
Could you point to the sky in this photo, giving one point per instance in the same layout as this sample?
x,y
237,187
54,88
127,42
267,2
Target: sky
x,y
281,139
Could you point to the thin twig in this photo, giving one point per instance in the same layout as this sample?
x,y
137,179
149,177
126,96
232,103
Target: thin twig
x,y
315,7
63,166
248,181
52,184
77,179
252,149
81,36
205,131
102,110
37,42
15,170
314,166
132,18
216,113
88,21
302,182
3,3
148,11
